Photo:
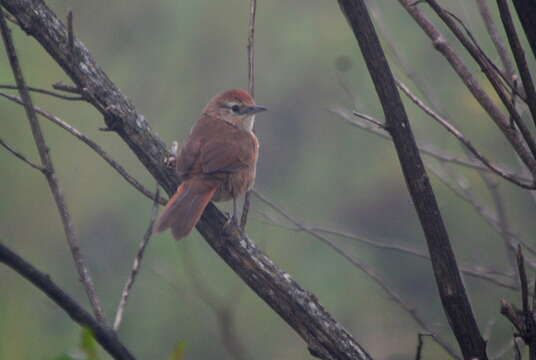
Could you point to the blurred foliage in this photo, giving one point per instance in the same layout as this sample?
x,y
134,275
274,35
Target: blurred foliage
x,y
170,58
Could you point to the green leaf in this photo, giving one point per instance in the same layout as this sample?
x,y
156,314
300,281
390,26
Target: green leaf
x,y
178,353
88,345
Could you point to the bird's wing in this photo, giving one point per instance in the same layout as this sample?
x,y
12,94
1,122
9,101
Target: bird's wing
x,y
226,155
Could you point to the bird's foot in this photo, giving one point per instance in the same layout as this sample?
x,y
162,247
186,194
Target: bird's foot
x,y
232,222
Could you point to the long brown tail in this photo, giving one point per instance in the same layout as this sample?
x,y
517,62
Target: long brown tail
x,y
183,210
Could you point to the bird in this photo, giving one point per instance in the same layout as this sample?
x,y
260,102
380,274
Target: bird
x,y
217,162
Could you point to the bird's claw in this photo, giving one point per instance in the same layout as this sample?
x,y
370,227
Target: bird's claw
x,y
170,161
232,222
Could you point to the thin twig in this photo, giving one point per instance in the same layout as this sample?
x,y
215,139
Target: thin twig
x,y
459,135
103,334
426,149
251,88
493,32
94,146
136,264
50,175
410,309
488,68
440,43
46,92
20,156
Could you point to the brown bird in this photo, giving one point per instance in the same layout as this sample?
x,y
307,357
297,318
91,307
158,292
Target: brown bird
x,y
217,162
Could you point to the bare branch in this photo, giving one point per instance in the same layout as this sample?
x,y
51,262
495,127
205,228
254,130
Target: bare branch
x,y
20,156
93,145
49,172
251,88
519,56
103,334
440,43
493,32
46,92
427,149
394,296
458,134
136,264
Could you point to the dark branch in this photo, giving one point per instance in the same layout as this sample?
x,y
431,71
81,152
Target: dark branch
x,y
526,10
519,56
104,335
451,289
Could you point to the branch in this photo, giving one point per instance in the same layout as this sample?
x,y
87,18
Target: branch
x,y
251,88
425,149
486,102
487,67
20,156
493,31
93,145
519,56
451,289
526,10
104,335
49,173
458,135
393,295
46,92
325,337
493,277
136,265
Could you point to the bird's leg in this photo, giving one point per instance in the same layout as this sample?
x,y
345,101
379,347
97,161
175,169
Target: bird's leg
x,y
170,161
233,219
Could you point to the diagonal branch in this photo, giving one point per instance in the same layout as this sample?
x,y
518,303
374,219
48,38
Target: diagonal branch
x,y
486,102
103,334
136,265
461,137
324,336
451,288
93,145
50,174
20,156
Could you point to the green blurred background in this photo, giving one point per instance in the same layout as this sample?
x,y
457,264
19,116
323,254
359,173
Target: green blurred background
x,y
170,58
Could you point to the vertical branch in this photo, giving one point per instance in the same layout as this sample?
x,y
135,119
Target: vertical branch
x,y
519,56
451,288
496,38
136,265
526,10
49,172
251,89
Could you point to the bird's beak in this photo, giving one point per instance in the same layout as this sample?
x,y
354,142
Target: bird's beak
x,y
250,110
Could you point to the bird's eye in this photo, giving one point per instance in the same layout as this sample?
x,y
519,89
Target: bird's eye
x,y
235,108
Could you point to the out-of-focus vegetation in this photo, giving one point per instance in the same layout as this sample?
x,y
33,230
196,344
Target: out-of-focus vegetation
x,y
170,58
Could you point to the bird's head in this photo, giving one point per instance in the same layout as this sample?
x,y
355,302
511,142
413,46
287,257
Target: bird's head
x,y
235,106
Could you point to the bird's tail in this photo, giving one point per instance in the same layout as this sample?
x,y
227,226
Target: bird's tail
x,y
183,210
